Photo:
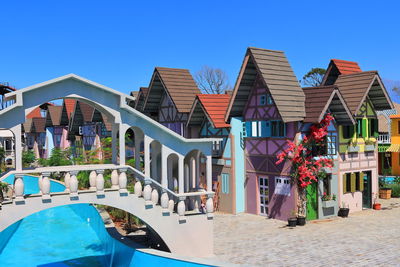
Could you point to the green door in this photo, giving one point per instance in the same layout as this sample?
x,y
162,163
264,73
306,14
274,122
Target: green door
x,y
312,201
367,192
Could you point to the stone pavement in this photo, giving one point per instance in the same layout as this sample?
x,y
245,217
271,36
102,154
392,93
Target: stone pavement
x,y
364,238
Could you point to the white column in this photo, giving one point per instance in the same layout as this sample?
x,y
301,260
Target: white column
x,y
164,167
209,173
18,146
181,183
19,187
121,144
197,170
137,152
147,141
114,133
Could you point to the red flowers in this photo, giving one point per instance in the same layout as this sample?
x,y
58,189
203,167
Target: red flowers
x,y
306,167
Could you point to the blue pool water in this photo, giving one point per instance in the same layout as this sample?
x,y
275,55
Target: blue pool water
x,y
32,185
72,235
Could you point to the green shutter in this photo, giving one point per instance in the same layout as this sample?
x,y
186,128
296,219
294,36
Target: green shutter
x,y
353,183
361,181
344,183
376,130
364,128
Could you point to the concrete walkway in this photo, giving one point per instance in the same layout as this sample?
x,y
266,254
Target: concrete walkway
x,y
364,238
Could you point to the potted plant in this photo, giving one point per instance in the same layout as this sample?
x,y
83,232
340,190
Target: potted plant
x,y
343,211
376,206
292,220
385,192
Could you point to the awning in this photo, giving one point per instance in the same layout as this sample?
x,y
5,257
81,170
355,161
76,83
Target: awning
x,y
394,148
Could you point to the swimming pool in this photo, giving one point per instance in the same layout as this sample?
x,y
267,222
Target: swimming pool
x,y
31,185
72,235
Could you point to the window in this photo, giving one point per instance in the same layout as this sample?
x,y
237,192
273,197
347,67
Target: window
x,y
348,131
217,147
373,128
331,144
327,185
359,128
357,181
270,101
347,183
244,128
264,194
225,183
43,113
282,186
278,129
262,100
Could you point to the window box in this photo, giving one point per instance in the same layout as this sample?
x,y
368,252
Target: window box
x,y
352,149
369,147
328,203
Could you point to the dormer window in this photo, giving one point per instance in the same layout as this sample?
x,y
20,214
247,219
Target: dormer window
x,y
43,113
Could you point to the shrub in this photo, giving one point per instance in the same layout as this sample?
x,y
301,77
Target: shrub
x,y
28,157
83,179
395,190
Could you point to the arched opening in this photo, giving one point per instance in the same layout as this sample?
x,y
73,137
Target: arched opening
x,y
155,160
7,147
195,171
173,171
134,148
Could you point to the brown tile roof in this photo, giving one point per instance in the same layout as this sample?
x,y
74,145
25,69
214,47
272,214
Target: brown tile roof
x,y
39,125
215,106
53,115
141,97
323,99
178,84
87,111
27,126
277,76
357,86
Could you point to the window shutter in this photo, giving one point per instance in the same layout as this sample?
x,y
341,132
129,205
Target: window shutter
x,y
361,181
376,130
353,182
248,129
344,184
364,128
265,129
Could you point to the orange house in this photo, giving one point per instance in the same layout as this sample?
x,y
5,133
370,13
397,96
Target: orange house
x,y
395,144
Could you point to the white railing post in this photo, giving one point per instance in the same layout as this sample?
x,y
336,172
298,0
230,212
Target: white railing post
x,y
73,184
147,193
92,180
67,179
19,187
210,206
122,181
100,182
181,209
45,185
114,180
138,188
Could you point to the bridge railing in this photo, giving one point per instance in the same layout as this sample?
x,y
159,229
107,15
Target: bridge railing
x,y
122,176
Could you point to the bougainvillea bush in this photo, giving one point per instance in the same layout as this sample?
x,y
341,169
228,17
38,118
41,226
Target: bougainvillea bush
x,y
307,167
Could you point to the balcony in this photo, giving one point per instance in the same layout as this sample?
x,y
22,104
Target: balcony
x,y
384,139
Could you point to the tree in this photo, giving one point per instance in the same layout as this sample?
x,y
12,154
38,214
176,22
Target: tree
x,y
3,189
396,90
307,168
314,77
2,157
212,80
28,157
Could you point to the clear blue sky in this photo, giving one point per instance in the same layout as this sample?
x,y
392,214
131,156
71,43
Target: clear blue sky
x,y
118,43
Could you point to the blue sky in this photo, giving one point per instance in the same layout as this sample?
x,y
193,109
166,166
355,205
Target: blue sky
x,y
118,43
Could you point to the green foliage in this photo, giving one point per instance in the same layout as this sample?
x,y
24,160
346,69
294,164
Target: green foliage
x,y
58,157
395,189
28,157
314,77
131,162
83,179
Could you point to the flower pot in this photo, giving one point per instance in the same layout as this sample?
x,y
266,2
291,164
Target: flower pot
x,y
343,212
328,203
301,220
376,206
385,193
292,222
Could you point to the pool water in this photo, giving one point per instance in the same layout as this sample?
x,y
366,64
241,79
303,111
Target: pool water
x,y
31,184
72,235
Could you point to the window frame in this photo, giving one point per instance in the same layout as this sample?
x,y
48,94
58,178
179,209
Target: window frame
x,y
225,183
262,100
277,132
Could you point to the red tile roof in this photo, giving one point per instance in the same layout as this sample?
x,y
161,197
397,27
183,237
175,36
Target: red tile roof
x,y
35,113
215,105
69,106
346,67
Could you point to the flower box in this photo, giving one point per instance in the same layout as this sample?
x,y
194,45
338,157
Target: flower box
x,y
369,147
352,149
328,203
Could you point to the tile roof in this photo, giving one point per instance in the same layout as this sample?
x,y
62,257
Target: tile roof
x,y
35,113
215,105
39,124
278,77
69,106
346,67
323,99
87,111
53,115
178,84
141,97
355,88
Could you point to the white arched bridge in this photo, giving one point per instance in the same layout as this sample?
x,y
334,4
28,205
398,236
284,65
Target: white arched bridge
x,y
167,193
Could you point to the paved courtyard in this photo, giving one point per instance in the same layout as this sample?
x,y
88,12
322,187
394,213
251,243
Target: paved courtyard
x,y
364,238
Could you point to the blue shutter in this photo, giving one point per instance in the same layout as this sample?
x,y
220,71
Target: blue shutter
x,y
265,128
248,129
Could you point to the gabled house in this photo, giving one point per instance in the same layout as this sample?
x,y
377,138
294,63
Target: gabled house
x,y
267,105
170,97
364,94
54,130
207,120
140,97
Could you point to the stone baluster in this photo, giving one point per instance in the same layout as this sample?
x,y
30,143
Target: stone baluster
x,y
100,182
45,185
210,206
114,179
19,187
73,184
67,179
138,188
171,205
154,196
92,180
165,202
181,209
122,181
147,193
40,183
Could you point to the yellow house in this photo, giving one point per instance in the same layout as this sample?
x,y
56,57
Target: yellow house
x,y
395,144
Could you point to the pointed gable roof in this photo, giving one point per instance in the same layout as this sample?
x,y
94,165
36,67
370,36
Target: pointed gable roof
x,y
277,75
53,117
68,109
38,125
141,97
213,106
338,67
357,86
323,99
177,83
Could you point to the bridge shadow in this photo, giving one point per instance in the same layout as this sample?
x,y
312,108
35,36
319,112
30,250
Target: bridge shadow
x,y
94,261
